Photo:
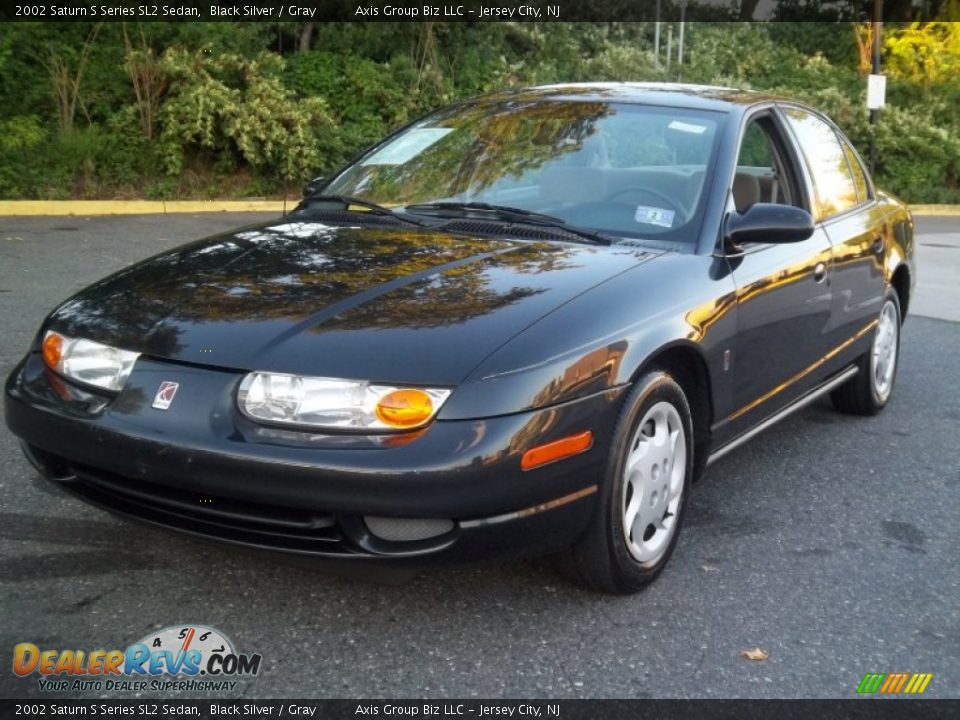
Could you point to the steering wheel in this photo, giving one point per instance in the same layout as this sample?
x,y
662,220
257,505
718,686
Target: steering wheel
x,y
668,203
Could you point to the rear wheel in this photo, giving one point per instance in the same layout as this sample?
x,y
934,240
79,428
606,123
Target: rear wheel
x,y
868,392
637,520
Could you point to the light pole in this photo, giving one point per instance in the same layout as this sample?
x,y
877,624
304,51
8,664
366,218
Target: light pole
x,y
683,12
669,46
656,40
874,112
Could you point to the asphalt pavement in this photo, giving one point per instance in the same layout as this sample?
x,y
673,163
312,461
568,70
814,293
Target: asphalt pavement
x,y
830,542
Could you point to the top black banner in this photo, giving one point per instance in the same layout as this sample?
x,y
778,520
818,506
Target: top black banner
x,y
472,10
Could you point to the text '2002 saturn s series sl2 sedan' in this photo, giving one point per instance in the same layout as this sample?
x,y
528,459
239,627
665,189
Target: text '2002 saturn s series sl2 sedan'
x,y
525,323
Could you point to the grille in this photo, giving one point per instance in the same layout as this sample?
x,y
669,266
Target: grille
x,y
516,230
407,530
223,518
343,217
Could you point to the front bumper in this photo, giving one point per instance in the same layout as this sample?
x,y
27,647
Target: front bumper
x,y
202,468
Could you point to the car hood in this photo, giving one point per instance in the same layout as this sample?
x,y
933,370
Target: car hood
x,y
398,305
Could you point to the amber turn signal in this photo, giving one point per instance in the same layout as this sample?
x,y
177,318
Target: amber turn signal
x,y
556,450
52,350
405,408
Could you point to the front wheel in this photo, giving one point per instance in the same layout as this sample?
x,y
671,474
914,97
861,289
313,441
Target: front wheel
x,y
637,521
869,390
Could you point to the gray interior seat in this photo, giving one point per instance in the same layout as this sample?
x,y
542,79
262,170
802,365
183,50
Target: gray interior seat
x,y
746,190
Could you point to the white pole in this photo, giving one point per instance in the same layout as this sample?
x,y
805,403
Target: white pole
x,y
669,45
656,40
683,11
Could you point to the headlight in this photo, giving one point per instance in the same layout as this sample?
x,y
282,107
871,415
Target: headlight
x,y
87,361
336,404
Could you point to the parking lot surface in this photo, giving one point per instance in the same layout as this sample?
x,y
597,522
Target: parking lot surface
x,y
830,542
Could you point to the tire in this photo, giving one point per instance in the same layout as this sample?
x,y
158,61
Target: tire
x,y
869,391
606,558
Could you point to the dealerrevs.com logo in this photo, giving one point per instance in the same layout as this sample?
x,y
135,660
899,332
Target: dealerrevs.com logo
x,y
182,657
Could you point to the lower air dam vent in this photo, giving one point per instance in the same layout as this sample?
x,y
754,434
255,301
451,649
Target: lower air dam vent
x,y
407,530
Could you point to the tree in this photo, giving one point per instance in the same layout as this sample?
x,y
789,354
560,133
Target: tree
x,y
924,52
148,80
66,69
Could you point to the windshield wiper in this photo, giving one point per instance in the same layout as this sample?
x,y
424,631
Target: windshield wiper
x,y
348,200
508,214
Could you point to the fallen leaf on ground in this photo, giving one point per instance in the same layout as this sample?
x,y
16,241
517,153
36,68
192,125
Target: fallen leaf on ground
x,y
755,654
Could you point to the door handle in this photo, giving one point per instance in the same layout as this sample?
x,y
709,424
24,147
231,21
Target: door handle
x,y
878,244
819,272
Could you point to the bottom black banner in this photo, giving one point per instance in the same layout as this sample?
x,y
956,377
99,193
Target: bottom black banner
x,y
895,709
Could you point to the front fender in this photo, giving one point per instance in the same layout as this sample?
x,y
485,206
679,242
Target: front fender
x,y
600,339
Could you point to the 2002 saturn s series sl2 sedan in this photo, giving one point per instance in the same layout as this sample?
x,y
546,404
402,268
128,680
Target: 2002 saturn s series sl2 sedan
x,y
524,323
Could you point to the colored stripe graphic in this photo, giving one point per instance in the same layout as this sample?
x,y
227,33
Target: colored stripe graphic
x,y
870,683
922,684
894,683
890,683
886,683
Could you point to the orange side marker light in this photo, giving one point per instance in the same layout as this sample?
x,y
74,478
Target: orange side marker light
x,y
557,450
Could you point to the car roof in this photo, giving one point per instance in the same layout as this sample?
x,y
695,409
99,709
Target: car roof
x,y
703,97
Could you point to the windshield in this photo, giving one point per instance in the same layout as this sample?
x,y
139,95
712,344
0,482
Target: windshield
x,y
630,170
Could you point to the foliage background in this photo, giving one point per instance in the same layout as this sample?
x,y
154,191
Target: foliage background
x,y
183,110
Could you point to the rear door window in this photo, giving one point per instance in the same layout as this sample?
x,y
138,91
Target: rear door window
x,y
859,174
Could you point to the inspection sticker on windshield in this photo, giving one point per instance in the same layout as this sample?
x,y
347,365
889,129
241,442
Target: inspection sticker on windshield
x,y
654,216
407,146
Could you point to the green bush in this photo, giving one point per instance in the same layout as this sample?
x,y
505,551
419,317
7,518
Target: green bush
x,y
242,109
366,98
87,162
239,109
916,158
21,141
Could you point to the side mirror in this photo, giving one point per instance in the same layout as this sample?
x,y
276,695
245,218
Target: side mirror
x,y
311,187
768,223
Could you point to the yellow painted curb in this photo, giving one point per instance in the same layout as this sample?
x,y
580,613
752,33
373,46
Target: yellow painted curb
x,y
139,207
935,209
